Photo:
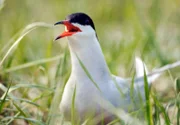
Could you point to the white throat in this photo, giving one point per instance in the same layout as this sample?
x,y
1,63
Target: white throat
x,y
88,50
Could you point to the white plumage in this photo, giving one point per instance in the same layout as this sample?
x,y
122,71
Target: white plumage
x,y
85,46
94,84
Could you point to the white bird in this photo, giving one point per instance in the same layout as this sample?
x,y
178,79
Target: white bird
x,y
90,76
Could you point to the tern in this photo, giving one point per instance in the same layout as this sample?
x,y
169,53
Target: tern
x,y
90,81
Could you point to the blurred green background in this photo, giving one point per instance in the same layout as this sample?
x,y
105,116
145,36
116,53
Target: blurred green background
x,y
125,28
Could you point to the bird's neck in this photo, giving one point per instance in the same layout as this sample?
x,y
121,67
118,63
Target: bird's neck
x,y
88,51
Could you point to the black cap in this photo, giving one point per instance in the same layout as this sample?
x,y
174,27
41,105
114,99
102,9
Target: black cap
x,y
80,18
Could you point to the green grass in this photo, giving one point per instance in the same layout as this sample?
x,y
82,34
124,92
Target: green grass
x,y
34,69
147,100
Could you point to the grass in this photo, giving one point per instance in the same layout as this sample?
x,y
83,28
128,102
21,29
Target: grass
x,y
147,100
87,73
34,69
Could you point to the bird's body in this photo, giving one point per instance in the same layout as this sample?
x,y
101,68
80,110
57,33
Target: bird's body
x,y
90,76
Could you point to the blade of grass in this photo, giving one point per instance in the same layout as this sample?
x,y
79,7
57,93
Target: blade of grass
x,y
156,115
4,98
33,63
73,112
9,62
11,119
61,66
19,109
178,99
163,110
16,116
42,95
58,92
118,87
35,122
113,122
29,86
166,117
58,69
5,47
132,89
178,85
87,73
147,99
178,113
26,30
27,101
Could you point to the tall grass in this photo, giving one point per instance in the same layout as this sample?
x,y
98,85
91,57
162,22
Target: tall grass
x,y
34,70
148,103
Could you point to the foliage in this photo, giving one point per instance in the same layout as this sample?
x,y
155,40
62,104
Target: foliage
x,y
32,66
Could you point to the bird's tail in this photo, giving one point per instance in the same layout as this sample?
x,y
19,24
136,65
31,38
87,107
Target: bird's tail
x,y
140,66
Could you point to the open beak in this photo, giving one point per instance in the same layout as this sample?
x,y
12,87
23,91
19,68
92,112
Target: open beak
x,y
70,29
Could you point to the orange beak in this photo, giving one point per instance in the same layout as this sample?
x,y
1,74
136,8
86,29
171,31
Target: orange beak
x,y
71,29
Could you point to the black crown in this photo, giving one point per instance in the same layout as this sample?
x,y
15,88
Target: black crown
x,y
80,18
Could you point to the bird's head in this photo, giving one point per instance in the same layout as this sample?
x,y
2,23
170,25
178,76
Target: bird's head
x,y
77,25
